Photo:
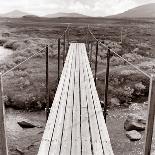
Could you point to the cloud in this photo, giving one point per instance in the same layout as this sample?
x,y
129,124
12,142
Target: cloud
x,y
88,7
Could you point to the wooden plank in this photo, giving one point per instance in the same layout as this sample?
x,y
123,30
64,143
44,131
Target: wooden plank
x,y
98,110
45,143
3,140
56,139
150,119
76,136
67,131
85,132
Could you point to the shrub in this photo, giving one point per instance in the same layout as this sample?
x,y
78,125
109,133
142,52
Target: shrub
x,y
19,59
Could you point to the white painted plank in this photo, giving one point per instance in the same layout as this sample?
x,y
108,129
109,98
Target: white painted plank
x,y
102,126
76,137
45,143
66,139
85,133
56,139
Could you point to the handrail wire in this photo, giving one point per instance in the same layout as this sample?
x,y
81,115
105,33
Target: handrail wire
x,y
65,31
31,55
22,62
118,54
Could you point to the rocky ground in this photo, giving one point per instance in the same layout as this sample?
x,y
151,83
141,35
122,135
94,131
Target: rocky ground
x,y
120,140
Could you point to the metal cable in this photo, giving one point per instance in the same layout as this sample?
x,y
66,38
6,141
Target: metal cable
x,y
22,62
137,68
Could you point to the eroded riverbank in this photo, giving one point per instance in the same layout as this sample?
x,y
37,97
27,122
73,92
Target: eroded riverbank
x,y
24,141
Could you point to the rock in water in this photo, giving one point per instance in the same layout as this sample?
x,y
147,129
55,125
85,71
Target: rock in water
x,y
134,122
25,124
133,135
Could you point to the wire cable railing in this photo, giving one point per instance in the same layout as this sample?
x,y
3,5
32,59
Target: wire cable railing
x,y
151,97
134,66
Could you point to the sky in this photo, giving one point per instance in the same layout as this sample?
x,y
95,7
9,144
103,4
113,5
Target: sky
x,y
87,7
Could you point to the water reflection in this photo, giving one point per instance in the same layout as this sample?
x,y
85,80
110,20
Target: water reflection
x,y
4,53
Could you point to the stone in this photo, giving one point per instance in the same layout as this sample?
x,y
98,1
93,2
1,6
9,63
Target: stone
x,y
26,124
115,101
133,135
134,122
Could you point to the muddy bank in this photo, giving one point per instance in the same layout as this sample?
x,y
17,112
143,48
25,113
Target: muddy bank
x,y
20,140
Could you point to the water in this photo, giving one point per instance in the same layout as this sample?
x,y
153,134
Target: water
x,y
4,53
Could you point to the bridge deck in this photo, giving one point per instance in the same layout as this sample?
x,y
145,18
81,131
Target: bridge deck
x,y
76,124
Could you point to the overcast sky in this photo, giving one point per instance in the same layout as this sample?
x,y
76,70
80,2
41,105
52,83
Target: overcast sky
x,y
87,7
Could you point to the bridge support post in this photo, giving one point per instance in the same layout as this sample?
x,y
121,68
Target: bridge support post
x,y
47,84
106,85
3,140
150,119
91,51
58,60
67,41
96,61
64,50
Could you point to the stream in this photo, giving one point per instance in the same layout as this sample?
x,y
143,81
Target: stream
x,y
4,53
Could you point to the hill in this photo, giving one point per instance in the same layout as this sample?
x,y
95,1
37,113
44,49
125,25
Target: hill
x,y
62,14
143,11
14,14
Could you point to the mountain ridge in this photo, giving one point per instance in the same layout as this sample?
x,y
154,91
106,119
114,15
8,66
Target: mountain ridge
x,y
143,11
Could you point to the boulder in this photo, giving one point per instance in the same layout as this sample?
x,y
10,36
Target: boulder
x,y
26,124
115,101
134,122
133,135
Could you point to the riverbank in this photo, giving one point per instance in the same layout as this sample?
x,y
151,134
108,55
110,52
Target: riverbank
x,y
24,141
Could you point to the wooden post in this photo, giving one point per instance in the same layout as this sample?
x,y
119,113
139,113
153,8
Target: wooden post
x,y
88,50
47,84
96,61
58,60
151,114
106,85
3,140
91,51
68,40
64,50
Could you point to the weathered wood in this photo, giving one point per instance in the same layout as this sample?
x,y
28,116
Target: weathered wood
x,y
95,136
76,137
67,131
101,122
64,49
3,140
76,124
91,51
96,62
106,85
47,84
150,120
46,140
58,129
58,59
85,127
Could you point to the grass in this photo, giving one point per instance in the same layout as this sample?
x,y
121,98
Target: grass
x,y
24,87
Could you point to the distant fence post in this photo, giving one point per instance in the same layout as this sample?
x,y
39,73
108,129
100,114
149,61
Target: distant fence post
x,y
96,61
3,140
47,83
106,85
151,114
58,60
68,40
91,51
64,50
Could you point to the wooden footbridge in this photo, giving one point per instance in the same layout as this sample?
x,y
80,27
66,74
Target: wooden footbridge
x,y
76,124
